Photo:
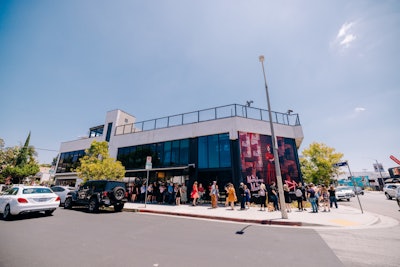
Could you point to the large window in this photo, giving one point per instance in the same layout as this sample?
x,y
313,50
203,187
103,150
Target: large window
x,y
69,161
166,154
214,151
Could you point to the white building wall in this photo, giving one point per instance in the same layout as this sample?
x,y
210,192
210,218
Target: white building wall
x,y
232,125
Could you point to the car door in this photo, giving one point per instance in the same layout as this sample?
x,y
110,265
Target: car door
x,y
6,197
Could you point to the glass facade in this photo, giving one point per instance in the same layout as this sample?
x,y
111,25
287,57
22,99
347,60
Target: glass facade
x,y
69,161
165,154
214,151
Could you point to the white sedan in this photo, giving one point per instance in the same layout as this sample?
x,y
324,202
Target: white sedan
x,y
62,192
24,199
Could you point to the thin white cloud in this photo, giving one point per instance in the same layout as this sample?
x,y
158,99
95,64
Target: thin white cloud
x,y
343,30
346,35
359,109
347,40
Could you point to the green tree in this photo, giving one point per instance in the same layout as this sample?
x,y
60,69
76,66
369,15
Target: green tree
x,y
18,162
97,164
317,162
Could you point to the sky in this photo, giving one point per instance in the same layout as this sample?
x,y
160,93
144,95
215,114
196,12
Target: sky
x,y
64,64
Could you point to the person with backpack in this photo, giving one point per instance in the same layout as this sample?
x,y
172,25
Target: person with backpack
x,y
299,197
262,193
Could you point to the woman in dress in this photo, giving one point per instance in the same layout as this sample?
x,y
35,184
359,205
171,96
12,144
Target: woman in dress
x,y
270,165
184,194
194,194
232,198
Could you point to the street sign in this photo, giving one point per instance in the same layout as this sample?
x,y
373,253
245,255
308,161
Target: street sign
x,y
394,159
149,165
340,164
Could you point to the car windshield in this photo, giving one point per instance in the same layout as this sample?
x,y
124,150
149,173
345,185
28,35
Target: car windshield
x,y
36,190
342,189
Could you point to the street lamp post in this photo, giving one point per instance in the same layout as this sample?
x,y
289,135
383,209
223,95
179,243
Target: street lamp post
x,y
275,149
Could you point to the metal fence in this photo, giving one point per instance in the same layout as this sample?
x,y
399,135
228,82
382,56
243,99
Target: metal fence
x,y
233,110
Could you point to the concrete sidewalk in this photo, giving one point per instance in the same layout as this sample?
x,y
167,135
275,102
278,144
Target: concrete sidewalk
x,y
342,217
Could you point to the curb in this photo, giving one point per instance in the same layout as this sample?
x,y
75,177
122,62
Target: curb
x,y
263,222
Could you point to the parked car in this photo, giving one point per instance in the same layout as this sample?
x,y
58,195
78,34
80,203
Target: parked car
x,y
359,190
98,193
398,196
390,190
25,199
62,192
344,192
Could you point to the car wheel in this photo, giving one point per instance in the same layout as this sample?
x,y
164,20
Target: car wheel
x,y
48,212
348,199
93,205
7,212
388,196
119,193
118,207
68,203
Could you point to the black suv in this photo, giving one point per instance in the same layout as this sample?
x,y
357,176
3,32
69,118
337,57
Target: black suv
x,y
97,193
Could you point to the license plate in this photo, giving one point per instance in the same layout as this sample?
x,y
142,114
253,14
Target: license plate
x,y
42,199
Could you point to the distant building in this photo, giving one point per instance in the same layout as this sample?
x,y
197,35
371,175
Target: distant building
x,y
229,144
375,180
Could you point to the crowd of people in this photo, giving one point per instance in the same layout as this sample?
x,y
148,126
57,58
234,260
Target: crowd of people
x,y
321,197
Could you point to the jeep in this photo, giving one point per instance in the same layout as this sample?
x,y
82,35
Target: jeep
x,y
98,193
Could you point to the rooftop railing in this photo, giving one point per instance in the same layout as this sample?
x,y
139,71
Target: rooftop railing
x,y
228,111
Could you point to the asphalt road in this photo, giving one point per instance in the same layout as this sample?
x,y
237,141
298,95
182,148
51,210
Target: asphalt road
x,y
76,238
368,247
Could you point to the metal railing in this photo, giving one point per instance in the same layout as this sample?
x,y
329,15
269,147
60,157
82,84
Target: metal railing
x,y
233,110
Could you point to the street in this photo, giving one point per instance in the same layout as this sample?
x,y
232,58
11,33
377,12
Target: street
x,y
77,238
367,247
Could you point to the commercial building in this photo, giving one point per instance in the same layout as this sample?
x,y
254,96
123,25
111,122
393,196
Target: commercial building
x,y
229,143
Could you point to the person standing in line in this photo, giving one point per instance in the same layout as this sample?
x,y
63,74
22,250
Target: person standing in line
x,y
214,195
262,193
317,190
156,192
242,196
332,196
231,196
142,192
273,195
299,198
325,198
135,190
248,196
183,193
201,193
177,190
194,194
288,201
311,197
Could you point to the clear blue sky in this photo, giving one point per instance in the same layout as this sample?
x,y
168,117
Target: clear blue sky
x,y
64,64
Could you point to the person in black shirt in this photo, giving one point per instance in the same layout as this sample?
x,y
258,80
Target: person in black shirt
x,y
332,196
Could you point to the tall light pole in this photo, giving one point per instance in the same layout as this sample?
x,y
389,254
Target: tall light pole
x,y
275,149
